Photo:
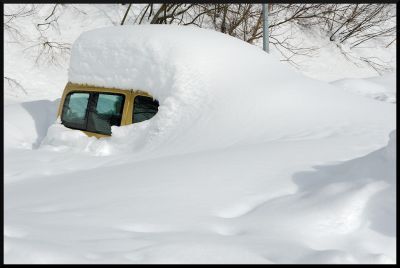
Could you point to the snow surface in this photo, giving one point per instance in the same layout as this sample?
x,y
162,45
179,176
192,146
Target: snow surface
x,y
381,88
208,98
247,161
43,80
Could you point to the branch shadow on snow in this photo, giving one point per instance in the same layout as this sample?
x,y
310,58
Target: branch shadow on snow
x,y
379,165
44,114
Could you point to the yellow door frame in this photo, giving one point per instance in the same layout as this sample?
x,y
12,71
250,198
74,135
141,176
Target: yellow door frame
x,y
128,105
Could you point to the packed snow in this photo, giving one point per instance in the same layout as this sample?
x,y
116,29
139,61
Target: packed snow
x,y
247,161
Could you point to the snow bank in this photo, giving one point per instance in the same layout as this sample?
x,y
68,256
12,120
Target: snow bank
x,y
381,88
250,204
214,91
260,176
26,124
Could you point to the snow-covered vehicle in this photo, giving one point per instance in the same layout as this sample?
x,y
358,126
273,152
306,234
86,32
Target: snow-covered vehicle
x,y
245,159
95,109
195,85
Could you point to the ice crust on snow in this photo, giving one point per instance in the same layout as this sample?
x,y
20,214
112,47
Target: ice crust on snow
x,y
214,91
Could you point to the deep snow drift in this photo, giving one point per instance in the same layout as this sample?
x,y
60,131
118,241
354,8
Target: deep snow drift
x,y
214,91
247,161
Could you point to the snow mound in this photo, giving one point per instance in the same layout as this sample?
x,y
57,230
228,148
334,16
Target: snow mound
x,y
214,91
26,124
250,204
381,88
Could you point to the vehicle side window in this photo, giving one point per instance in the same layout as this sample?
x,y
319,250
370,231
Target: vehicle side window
x,y
74,110
144,108
107,112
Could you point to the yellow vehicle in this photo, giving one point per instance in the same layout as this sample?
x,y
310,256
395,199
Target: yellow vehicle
x,y
94,110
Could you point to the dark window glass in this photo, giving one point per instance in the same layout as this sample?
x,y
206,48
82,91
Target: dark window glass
x,y
144,108
92,111
106,112
75,109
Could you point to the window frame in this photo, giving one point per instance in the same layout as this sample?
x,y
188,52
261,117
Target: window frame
x,y
129,94
91,106
66,101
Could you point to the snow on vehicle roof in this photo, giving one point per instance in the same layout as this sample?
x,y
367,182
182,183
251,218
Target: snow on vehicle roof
x,y
153,58
214,91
